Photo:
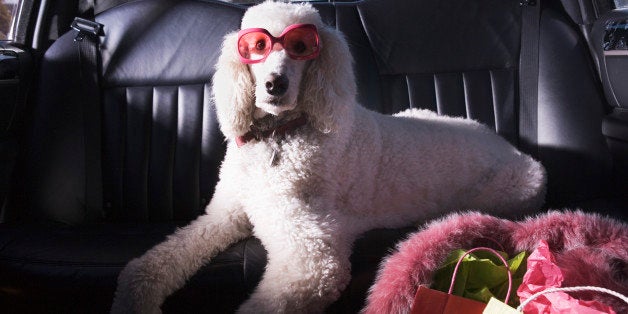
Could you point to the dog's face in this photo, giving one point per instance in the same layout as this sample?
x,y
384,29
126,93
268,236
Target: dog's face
x,y
277,80
284,75
278,76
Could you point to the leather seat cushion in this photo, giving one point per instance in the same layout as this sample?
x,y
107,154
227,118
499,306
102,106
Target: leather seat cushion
x,y
74,269
56,268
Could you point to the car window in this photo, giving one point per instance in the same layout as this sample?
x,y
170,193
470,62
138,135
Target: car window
x,y
259,1
8,15
621,4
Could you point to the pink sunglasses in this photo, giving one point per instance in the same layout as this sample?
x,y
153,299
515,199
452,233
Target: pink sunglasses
x,y
300,41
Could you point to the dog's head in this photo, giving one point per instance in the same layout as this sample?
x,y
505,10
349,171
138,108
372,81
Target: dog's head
x,y
283,62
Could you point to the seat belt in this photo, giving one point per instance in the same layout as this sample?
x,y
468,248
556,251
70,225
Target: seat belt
x,y
529,76
87,40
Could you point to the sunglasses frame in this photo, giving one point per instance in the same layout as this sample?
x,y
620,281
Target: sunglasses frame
x,y
279,40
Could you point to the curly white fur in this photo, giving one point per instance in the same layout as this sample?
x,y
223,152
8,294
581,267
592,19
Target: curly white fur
x,y
345,172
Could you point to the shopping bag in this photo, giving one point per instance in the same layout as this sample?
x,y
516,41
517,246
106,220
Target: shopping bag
x,y
433,301
429,301
495,306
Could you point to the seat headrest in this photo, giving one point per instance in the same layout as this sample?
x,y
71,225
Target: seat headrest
x,y
144,40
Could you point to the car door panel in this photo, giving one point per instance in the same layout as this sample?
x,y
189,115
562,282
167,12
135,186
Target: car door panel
x,y
15,71
610,42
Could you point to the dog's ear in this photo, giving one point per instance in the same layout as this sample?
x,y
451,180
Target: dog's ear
x,y
329,88
233,90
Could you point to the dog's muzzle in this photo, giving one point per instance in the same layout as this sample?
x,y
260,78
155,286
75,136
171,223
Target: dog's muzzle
x,y
277,84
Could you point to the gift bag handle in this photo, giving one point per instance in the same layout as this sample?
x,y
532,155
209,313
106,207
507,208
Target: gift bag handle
x,y
571,289
453,277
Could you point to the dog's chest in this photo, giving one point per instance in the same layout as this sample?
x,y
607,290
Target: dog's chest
x,y
277,164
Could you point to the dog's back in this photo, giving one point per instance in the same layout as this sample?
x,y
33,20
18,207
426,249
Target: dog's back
x,y
417,163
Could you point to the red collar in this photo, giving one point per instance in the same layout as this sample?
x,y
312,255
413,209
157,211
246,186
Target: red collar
x,y
280,130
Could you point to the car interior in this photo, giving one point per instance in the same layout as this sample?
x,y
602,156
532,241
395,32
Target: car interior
x,y
109,140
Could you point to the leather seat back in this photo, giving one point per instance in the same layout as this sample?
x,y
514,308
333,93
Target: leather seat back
x,y
161,145
457,58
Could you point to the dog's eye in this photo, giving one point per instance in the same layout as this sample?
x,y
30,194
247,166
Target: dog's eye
x,y
260,45
299,47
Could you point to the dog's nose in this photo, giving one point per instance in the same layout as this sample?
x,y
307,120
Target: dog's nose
x,y
277,85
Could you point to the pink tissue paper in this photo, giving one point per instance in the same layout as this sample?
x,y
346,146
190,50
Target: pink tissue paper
x,y
543,274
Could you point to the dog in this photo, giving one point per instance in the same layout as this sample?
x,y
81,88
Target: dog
x,y
308,170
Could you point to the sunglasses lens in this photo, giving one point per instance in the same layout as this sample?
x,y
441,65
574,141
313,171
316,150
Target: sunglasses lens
x,y
301,42
254,46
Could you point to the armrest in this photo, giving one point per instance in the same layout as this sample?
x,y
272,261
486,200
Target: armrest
x,y
615,125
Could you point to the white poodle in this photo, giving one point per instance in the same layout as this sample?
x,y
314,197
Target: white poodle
x,y
307,169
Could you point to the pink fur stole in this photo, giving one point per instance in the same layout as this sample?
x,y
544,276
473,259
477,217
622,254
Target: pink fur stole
x,y
590,250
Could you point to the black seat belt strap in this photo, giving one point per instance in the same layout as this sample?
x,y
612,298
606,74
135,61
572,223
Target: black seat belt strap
x,y
87,40
529,76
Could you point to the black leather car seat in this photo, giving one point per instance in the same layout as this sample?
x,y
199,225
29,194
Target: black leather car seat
x,y
161,146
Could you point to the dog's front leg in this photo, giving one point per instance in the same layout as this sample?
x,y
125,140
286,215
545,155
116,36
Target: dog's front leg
x,y
308,267
146,281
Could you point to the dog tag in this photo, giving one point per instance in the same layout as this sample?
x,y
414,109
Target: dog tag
x,y
274,158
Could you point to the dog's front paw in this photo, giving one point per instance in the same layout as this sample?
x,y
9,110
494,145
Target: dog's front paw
x,y
265,303
252,306
138,290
